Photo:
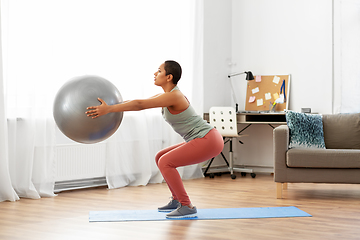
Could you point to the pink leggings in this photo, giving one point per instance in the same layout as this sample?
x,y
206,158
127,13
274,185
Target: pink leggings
x,y
187,153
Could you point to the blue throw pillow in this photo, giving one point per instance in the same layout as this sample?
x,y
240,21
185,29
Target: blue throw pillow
x,y
306,130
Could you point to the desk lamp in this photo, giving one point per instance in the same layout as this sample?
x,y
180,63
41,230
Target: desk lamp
x,y
249,77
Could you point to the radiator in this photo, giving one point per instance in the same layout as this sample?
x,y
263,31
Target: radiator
x,y
80,166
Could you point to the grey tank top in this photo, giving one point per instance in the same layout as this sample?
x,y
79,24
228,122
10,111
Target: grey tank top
x,y
187,123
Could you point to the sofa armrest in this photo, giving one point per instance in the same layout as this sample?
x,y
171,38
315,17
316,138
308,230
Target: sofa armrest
x,y
280,147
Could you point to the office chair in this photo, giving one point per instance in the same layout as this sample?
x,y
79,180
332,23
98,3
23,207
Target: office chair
x,y
225,121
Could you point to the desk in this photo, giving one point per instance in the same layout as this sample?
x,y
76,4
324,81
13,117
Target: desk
x,y
277,118
261,118
251,118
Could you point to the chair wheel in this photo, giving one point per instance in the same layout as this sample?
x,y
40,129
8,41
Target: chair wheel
x,y
253,175
233,176
211,175
243,174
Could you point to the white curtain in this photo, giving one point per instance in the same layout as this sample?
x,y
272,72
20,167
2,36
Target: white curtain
x,y
48,42
346,56
6,190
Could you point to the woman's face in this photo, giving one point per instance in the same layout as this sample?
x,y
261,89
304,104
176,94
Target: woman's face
x,y
160,77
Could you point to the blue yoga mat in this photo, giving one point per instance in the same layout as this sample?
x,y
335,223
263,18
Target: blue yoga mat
x,y
203,214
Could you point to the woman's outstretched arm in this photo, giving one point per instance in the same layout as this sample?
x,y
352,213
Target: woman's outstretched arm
x,y
161,100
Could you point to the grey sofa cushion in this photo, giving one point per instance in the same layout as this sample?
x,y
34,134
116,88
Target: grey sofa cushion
x,y
323,158
342,131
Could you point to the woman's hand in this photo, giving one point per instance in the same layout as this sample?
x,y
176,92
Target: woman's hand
x,y
97,111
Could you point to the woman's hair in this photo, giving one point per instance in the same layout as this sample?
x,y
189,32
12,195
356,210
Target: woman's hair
x,y
173,68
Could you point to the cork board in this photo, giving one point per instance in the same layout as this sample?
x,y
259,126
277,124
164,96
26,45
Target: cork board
x,y
262,92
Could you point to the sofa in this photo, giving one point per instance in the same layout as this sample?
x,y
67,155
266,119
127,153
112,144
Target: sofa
x,y
328,152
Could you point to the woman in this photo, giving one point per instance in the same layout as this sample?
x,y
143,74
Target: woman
x,y
202,142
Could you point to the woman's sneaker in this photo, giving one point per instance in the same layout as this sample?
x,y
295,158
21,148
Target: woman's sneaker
x,y
171,206
183,212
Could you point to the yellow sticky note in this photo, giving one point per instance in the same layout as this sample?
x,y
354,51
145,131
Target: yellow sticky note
x,y
276,96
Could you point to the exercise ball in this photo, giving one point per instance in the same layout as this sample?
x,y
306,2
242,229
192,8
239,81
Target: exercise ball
x,y
71,103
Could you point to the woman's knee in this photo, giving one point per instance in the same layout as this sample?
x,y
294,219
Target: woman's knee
x,y
164,162
158,156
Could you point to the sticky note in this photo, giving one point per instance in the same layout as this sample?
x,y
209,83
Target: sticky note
x,y
258,79
251,99
276,96
255,90
260,102
267,96
276,79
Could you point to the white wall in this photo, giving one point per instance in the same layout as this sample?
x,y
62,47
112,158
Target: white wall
x,y
287,37
269,37
217,52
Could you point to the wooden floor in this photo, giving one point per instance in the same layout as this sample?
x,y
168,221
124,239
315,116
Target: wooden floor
x,y
335,210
